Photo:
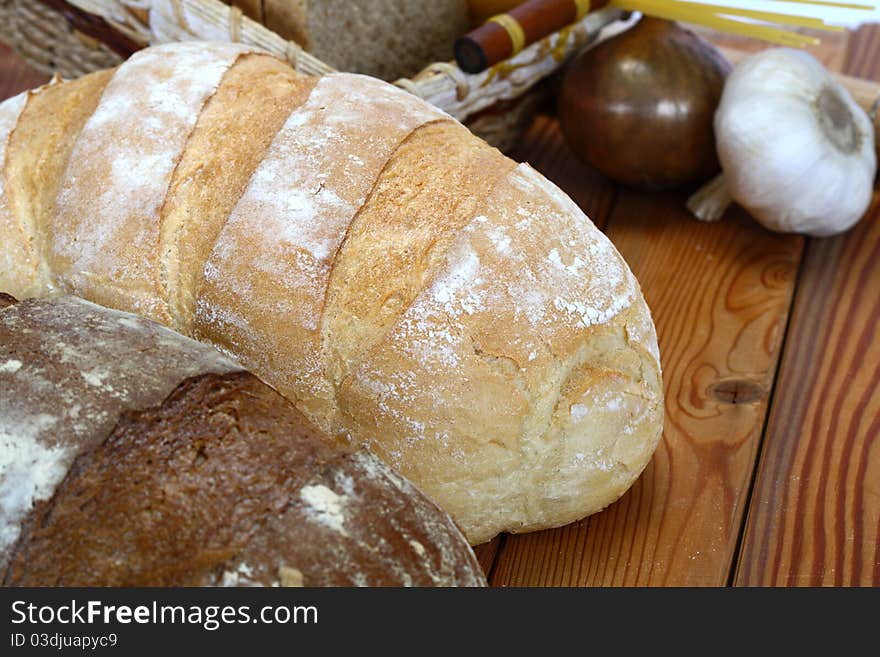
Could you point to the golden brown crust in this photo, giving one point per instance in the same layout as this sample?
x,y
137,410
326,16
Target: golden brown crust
x,y
18,269
127,152
422,199
229,140
555,405
399,280
36,156
278,247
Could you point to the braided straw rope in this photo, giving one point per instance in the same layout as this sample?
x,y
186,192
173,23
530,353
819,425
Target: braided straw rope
x,y
462,95
43,36
503,127
184,20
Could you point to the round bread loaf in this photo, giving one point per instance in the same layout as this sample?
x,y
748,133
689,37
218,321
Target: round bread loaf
x,y
389,39
133,456
391,274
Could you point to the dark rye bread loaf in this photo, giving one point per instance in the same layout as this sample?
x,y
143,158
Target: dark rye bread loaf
x,y
131,455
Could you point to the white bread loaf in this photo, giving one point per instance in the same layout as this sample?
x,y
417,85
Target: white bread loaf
x,y
394,276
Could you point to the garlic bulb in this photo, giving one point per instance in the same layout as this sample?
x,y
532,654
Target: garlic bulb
x,y
796,150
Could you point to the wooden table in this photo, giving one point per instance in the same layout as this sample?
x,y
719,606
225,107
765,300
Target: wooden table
x,y
769,469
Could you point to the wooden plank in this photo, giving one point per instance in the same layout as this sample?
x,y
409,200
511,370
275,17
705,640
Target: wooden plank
x,y
487,552
863,46
815,516
15,74
719,294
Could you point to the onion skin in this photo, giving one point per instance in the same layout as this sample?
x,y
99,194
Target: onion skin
x,y
639,107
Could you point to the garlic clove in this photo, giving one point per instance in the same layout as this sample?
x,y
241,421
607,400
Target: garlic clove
x,y
796,150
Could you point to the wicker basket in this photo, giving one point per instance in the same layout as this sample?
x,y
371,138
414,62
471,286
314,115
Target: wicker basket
x,y
75,37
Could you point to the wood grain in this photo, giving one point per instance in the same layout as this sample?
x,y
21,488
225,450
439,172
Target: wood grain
x,y
815,516
863,46
719,294
15,75
487,552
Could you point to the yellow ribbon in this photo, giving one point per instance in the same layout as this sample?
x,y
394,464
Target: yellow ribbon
x,y
583,6
514,30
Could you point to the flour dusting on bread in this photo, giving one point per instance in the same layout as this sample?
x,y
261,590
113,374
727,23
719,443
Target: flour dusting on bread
x,y
118,174
292,219
395,277
30,468
16,261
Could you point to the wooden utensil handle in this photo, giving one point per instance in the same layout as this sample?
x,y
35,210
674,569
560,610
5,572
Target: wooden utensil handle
x,y
866,93
504,35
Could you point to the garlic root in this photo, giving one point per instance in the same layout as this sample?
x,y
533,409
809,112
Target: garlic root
x,y
710,202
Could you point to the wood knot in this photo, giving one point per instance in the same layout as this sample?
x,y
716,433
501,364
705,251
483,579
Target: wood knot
x,y
737,391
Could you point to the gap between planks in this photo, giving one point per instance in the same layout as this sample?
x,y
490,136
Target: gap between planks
x,y
815,520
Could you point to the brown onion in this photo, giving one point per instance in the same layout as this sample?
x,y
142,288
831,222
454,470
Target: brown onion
x,y
639,106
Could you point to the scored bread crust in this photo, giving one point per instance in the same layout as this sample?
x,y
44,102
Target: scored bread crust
x,y
279,245
36,155
17,257
118,175
236,126
554,403
403,282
